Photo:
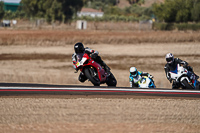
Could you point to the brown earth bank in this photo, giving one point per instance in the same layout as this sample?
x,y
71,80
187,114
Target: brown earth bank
x,y
45,57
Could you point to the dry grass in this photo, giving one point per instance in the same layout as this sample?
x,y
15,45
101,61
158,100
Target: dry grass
x,y
98,115
61,38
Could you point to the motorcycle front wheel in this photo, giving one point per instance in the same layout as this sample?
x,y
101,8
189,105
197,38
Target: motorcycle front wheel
x,y
92,75
187,85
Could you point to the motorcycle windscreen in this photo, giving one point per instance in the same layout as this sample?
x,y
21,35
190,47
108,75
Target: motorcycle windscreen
x,y
176,70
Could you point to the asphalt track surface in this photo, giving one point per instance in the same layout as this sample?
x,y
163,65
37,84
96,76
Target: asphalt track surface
x,y
21,89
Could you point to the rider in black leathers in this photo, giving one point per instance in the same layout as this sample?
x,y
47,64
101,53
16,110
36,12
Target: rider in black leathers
x,y
78,54
171,66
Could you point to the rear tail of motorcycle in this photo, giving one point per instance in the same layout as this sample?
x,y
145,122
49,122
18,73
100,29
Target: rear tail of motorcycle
x,y
111,81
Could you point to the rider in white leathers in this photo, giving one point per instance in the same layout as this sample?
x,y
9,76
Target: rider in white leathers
x,y
171,66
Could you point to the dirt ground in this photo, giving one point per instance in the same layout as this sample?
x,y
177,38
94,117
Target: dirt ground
x,y
51,64
97,115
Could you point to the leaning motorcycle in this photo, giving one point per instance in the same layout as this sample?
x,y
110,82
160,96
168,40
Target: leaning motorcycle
x,y
185,78
146,82
94,72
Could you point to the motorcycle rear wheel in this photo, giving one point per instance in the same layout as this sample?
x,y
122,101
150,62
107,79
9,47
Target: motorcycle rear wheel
x,y
111,81
92,76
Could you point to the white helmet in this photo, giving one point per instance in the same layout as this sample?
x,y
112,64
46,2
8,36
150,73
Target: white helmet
x,y
169,58
133,71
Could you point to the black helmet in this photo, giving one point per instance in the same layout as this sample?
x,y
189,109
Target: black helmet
x,y
79,48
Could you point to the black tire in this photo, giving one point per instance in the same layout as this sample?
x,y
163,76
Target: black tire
x,y
187,85
198,85
111,81
92,76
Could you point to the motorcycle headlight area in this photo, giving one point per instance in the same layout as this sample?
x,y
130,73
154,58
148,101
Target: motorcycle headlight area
x,y
143,81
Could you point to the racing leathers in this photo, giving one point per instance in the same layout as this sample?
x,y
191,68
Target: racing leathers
x,y
94,55
172,66
134,80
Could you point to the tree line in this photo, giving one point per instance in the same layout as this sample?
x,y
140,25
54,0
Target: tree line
x,y
178,11
65,10
51,10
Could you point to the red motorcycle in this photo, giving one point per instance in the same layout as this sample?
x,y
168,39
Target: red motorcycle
x,y
94,72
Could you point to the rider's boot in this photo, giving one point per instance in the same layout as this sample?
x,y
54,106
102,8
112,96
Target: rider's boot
x,y
194,74
190,69
82,78
103,64
175,85
197,77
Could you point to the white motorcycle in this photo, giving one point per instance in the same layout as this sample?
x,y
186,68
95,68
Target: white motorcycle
x,y
143,82
185,78
146,82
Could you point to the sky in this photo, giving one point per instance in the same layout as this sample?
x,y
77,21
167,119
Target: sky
x,y
11,1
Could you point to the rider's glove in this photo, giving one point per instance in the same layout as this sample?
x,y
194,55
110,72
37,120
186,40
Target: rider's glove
x,y
150,76
185,66
76,69
170,80
94,55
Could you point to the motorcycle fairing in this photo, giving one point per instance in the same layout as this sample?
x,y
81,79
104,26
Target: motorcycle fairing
x,y
151,84
101,72
184,74
85,60
146,82
176,70
194,82
79,63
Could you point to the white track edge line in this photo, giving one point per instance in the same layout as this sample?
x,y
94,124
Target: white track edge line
x,y
97,89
